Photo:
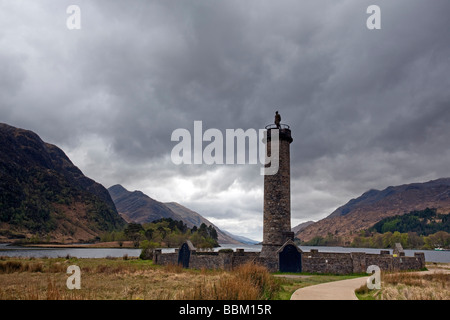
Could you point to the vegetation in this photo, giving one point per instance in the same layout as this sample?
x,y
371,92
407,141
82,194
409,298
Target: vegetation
x,y
164,232
425,229
247,282
423,222
43,194
408,240
131,278
410,286
135,279
329,240
37,200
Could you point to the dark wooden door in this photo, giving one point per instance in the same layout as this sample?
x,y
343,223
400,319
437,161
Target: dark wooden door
x,y
184,255
290,259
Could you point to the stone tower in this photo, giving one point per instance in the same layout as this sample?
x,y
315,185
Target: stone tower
x,y
277,195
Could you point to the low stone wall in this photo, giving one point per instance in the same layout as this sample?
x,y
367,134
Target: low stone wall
x,y
214,260
326,262
312,262
164,258
357,262
388,262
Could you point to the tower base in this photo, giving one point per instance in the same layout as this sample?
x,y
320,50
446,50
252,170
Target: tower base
x,y
269,250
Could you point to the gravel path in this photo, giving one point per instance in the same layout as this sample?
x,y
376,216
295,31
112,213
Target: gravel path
x,y
336,290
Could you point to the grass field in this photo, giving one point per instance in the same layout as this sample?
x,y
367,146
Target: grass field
x,y
134,279
131,278
429,285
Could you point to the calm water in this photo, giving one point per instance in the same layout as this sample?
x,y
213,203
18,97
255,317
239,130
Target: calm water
x,y
14,251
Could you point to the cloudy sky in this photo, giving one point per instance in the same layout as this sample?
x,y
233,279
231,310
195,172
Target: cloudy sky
x,y
367,108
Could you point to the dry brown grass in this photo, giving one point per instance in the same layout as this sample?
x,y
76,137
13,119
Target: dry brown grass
x,y
247,282
118,279
425,285
416,286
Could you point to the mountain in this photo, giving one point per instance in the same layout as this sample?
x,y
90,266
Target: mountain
x,y
375,205
242,239
44,195
191,217
135,206
301,226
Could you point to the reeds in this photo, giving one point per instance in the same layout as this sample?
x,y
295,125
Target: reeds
x,y
20,266
246,282
411,286
25,279
416,286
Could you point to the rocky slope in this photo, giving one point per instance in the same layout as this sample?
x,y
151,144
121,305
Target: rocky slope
x,y
374,205
45,196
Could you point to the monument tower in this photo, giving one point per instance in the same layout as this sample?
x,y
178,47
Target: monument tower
x,y
277,192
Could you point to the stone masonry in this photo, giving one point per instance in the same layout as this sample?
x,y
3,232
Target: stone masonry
x,y
277,197
311,262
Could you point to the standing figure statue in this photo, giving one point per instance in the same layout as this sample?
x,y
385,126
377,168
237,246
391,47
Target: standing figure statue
x,y
277,119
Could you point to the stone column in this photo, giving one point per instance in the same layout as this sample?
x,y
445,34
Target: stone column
x,y
277,197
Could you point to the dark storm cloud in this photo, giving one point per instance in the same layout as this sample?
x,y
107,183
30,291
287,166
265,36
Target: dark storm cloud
x,y
367,108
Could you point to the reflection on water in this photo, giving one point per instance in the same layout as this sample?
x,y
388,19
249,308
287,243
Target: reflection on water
x,y
15,251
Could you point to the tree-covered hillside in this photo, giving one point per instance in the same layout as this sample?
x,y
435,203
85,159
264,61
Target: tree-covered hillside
x,y
424,222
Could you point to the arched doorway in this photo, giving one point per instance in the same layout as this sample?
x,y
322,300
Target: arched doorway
x,y
184,254
290,258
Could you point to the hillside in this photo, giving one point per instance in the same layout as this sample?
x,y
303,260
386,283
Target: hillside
x,y
44,196
191,217
424,222
374,205
135,206
301,226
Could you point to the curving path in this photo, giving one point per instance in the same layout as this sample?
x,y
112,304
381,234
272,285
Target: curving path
x,y
345,289
336,290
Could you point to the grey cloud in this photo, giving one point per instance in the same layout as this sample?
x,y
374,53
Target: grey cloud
x,y
366,108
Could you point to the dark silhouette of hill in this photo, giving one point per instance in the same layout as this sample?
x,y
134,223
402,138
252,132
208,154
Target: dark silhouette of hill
x,y
45,196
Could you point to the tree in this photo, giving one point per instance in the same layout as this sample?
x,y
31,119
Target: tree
x,y
387,240
203,230
212,232
149,234
439,239
133,233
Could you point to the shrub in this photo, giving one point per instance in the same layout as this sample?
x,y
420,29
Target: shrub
x,y
11,267
147,250
226,251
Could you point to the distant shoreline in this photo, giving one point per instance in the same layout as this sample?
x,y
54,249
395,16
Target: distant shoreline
x,y
112,244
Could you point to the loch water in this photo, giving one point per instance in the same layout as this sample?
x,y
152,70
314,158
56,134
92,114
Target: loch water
x,y
39,252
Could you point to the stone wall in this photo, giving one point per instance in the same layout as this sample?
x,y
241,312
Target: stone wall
x,y
216,260
357,262
312,262
326,262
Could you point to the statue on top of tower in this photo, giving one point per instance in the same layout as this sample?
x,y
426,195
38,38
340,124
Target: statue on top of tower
x,y
277,119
